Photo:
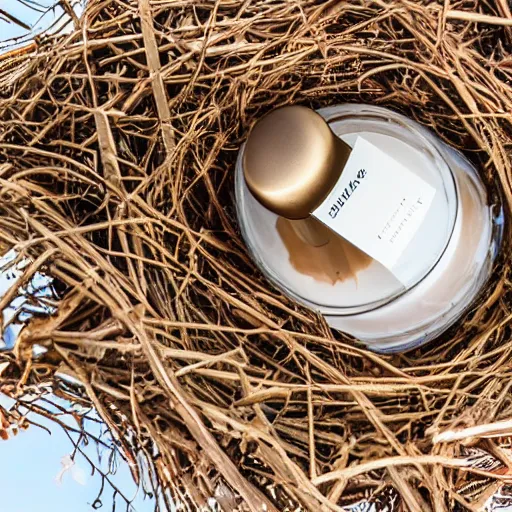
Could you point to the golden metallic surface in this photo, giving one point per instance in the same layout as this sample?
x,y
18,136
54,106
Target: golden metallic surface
x,y
292,160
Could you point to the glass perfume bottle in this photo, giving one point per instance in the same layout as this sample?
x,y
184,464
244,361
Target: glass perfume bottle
x,y
367,217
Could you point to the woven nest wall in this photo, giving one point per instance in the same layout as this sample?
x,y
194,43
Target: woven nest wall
x,y
117,150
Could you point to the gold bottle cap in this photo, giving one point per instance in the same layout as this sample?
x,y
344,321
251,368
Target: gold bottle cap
x,y
292,160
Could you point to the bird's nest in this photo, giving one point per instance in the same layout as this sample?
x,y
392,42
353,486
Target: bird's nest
x,y
117,151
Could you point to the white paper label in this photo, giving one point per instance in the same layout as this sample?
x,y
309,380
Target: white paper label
x,y
377,204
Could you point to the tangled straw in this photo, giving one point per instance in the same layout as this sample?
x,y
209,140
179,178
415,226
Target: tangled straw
x,y
117,150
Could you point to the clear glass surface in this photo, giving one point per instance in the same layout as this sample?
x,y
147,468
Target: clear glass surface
x,y
375,307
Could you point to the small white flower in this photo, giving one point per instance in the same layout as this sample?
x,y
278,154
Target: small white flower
x,y
77,473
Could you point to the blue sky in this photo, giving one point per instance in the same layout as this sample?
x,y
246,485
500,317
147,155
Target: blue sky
x,y
30,462
39,18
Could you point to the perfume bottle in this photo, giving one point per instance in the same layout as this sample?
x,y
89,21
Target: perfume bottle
x,y
367,217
